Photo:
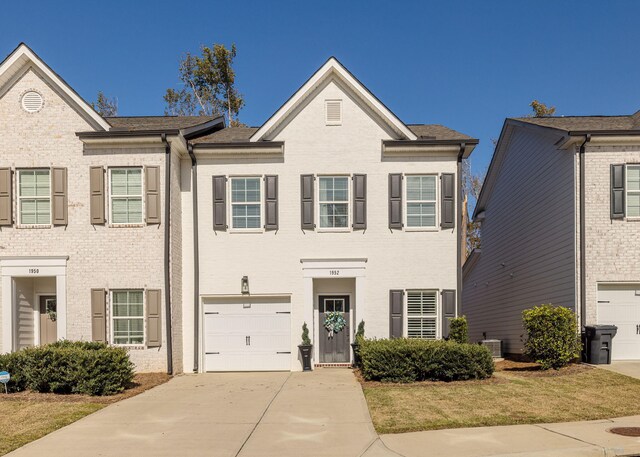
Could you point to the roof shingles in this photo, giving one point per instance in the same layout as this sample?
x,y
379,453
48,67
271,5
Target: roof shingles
x,y
141,123
586,123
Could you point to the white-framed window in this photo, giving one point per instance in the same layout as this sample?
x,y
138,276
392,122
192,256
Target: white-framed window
x,y
246,203
633,191
421,201
127,317
333,202
422,314
34,196
125,195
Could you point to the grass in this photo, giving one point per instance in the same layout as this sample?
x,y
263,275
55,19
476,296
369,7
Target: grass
x,y
27,416
517,394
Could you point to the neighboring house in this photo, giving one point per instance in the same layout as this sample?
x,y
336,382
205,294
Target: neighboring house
x,y
83,228
559,210
206,248
333,204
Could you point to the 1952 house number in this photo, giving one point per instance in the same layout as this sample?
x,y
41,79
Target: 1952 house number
x,y
34,271
334,272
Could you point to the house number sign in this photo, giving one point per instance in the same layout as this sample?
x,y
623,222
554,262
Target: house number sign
x,y
334,272
34,271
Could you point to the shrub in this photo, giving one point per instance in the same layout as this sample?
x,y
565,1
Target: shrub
x,y
459,330
410,360
306,341
552,336
69,367
360,330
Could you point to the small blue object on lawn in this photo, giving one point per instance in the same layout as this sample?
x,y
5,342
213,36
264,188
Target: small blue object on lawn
x,y
4,379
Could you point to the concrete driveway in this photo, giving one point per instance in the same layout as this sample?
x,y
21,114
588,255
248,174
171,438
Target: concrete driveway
x,y
626,367
227,414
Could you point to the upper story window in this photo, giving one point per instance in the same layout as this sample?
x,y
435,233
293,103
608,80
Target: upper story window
x,y
633,191
34,197
421,201
333,201
126,195
245,203
422,314
127,321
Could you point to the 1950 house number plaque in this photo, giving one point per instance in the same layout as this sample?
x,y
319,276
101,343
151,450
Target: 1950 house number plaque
x,y
34,271
334,272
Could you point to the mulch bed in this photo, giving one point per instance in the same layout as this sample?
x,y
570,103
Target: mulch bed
x,y
141,382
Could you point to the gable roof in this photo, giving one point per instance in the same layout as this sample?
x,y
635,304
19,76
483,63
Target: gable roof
x,y
333,68
141,123
244,134
586,123
22,57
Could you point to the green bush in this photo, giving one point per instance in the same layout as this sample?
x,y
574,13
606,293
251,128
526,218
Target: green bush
x,y
459,330
306,341
552,336
69,367
410,360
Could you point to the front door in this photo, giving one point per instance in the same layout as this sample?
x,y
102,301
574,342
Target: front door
x,y
48,317
334,346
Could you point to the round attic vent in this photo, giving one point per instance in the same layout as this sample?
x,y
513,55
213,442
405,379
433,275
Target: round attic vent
x,y
32,101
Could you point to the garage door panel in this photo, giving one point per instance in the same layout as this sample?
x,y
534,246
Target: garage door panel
x,y
238,337
619,305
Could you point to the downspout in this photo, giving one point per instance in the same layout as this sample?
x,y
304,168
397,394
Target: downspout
x,y
196,261
583,281
167,250
459,229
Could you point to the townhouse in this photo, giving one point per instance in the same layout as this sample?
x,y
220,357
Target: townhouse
x,y
205,248
559,212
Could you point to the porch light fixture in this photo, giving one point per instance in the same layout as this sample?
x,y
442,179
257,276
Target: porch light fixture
x,y
245,285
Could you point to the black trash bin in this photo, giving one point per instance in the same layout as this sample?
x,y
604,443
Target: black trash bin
x,y
598,343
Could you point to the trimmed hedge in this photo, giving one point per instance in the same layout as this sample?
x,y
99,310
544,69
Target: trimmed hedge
x,y
459,330
67,367
552,336
410,360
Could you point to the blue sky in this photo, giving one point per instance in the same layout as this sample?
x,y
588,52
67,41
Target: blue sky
x,y
464,64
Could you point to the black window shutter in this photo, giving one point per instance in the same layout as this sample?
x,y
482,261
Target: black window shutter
x,y
306,199
396,307
219,203
448,197
359,202
395,200
617,192
448,310
271,202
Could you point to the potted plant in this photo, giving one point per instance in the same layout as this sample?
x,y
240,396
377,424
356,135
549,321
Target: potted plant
x,y
355,346
305,348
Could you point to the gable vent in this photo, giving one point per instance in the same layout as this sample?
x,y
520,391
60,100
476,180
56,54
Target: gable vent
x,y
32,101
333,112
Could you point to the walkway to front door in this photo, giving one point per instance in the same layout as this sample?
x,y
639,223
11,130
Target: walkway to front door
x,y
334,347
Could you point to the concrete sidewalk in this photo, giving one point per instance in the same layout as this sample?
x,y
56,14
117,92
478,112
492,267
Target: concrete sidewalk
x,y
572,439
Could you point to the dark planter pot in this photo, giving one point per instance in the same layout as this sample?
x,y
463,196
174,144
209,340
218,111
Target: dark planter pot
x,y
305,352
355,347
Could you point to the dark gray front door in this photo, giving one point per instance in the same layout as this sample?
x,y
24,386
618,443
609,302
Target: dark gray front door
x,y
334,349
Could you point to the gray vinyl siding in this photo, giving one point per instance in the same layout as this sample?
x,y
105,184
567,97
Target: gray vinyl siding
x,y
529,227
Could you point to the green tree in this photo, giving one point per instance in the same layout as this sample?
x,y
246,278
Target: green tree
x,y
208,85
541,110
105,106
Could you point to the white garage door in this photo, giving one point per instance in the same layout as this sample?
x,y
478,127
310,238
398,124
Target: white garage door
x,y
247,337
620,305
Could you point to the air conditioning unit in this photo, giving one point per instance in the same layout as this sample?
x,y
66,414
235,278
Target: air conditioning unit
x,y
495,346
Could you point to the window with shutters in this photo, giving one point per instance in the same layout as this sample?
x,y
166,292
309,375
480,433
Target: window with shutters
x,y
125,195
421,196
246,203
422,314
34,197
127,317
333,202
633,191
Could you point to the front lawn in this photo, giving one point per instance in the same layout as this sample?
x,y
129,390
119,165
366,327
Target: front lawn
x,y
518,393
27,416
